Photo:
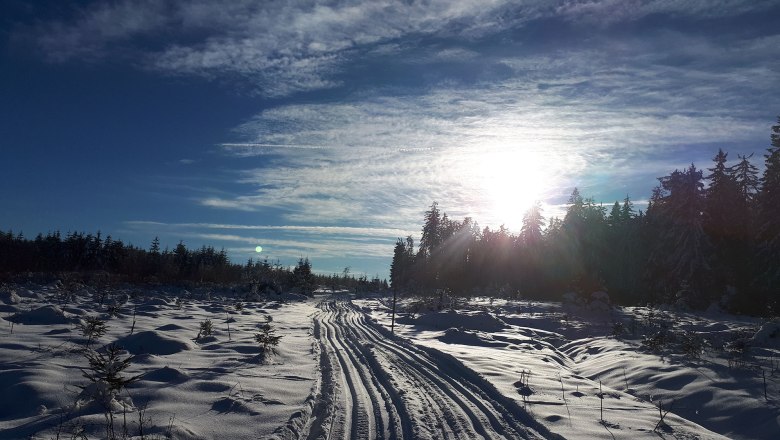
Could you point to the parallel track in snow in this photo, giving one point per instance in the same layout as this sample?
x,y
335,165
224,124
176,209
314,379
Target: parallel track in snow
x,y
374,386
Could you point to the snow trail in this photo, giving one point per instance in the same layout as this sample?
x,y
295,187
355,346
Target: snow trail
x,y
375,386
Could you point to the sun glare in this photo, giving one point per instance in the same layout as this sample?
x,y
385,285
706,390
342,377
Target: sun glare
x,y
512,181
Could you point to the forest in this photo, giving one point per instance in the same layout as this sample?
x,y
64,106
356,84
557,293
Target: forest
x,y
705,237
96,260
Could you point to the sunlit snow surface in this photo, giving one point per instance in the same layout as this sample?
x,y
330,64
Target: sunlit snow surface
x,y
216,387
338,373
568,349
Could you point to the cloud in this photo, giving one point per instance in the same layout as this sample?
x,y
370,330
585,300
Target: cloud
x,y
282,48
287,242
607,12
382,159
316,229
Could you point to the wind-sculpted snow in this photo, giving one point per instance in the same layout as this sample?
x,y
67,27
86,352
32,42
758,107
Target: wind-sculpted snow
x,y
375,386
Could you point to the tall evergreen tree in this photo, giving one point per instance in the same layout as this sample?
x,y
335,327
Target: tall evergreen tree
x,y
533,223
768,222
680,256
746,176
725,221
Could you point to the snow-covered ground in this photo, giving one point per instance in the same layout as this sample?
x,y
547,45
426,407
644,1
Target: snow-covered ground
x,y
219,386
474,369
557,360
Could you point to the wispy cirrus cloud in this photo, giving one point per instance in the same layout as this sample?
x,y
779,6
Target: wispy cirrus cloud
x,y
285,242
281,48
582,117
330,230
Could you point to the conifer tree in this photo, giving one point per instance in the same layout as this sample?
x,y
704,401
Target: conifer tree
x,y
680,255
768,221
533,222
746,176
724,220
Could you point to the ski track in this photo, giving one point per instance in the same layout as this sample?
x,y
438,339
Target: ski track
x,y
375,386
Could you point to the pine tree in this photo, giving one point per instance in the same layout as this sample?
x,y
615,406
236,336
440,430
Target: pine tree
x,y
533,222
746,176
724,221
398,267
681,250
531,252
768,221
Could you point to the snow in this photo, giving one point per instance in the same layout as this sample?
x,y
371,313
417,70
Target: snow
x,y
483,367
220,387
567,352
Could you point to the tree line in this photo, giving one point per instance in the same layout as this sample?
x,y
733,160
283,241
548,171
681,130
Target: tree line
x,y
703,238
91,255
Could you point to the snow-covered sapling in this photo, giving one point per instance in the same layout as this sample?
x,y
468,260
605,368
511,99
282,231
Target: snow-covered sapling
x,y
206,329
113,310
108,368
92,328
105,371
692,344
267,337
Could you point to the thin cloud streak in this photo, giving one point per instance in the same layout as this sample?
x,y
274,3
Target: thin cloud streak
x,y
339,230
281,48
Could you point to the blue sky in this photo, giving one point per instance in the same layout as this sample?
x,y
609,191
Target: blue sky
x,y
326,129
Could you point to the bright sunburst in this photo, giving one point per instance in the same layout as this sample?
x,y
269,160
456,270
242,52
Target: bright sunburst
x,y
512,180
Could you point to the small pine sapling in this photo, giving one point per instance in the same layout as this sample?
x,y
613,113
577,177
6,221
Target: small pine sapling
x,y
105,373
113,310
267,337
92,328
206,329
108,367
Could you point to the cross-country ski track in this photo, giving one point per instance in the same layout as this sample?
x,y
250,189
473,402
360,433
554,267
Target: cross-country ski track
x,y
372,385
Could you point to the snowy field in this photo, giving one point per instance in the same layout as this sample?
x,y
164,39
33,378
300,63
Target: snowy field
x,y
460,369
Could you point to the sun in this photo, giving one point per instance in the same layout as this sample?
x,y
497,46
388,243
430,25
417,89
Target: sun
x,y
512,181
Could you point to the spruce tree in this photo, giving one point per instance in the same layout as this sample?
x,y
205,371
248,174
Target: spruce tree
x,y
681,251
768,222
724,221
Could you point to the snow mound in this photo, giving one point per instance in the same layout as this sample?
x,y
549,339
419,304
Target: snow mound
x,y
46,315
9,297
481,321
171,327
768,335
153,342
464,337
166,375
23,393
233,405
27,293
